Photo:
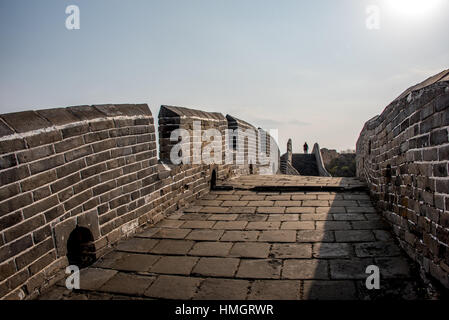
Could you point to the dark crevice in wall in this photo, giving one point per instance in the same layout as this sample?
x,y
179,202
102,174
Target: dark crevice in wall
x,y
81,248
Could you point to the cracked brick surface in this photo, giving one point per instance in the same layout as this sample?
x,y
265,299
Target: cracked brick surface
x,y
319,249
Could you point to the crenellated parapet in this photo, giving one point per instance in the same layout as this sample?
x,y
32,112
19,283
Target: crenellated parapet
x,y
403,155
76,180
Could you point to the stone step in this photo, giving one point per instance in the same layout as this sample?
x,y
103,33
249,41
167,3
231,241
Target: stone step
x,y
305,164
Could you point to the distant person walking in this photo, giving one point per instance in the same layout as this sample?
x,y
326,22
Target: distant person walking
x,y
306,147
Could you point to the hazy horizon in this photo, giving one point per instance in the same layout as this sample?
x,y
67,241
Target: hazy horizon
x,y
313,70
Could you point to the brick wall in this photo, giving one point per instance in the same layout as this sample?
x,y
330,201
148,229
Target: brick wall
x,y
87,166
403,154
319,161
286,166
172,118
91,167
196,122
271,150
245,153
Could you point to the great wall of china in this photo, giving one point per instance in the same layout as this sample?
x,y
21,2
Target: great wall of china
x,y
76,181
92,172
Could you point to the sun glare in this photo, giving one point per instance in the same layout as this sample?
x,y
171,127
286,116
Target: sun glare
x,y
414,8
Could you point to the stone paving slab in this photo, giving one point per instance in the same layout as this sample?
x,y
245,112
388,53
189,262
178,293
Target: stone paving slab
x,y
250,250
275,290
205,235
283,217
168,246
173,287
349,269
94,278
354,235
397,267
235,236
211,249
262,225
223,289
137,245
259,269
332,250
315,236
278,236
291,250
174,265
169,233
305,269
231,225
217,267
252,218
125,283
130,262
249,182
246,244
329,290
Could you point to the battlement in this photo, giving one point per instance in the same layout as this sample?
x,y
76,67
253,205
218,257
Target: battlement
x,y
76,180
403,155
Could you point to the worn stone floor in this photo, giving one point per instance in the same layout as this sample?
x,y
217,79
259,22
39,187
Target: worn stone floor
x,y
246,244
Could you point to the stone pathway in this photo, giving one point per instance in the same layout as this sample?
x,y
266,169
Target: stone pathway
x,y
244,244
293,182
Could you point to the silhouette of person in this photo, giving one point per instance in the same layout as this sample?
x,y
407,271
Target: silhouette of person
x,y
306,147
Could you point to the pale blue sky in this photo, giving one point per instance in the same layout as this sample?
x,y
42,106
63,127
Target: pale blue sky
x,y
311,69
